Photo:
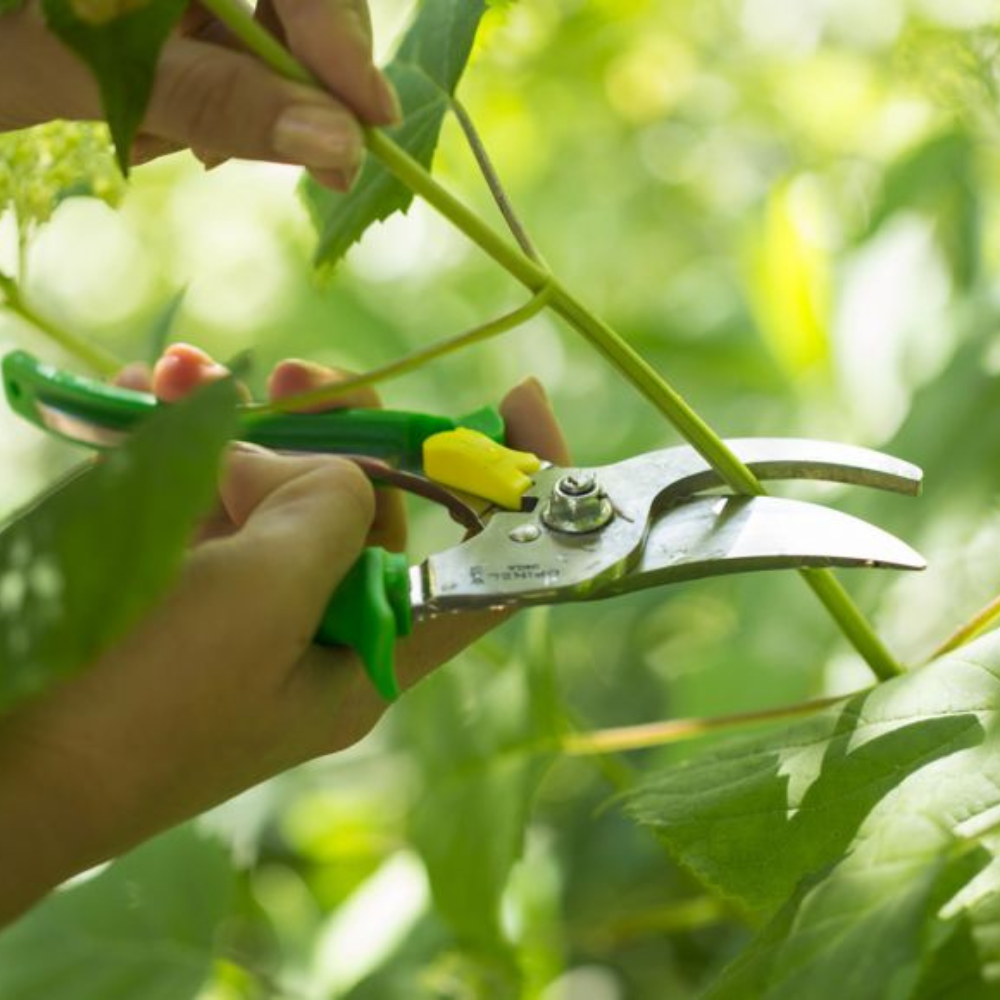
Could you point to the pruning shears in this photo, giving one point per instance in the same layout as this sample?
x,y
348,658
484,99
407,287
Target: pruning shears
x,y
538,533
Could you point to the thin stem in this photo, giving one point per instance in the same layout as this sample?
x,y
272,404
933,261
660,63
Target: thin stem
x,y
493,181
103,362
682,917
657,734
975,626
410,362
857,629
613,347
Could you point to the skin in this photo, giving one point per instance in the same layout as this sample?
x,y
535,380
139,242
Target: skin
x,y
220,687
216,99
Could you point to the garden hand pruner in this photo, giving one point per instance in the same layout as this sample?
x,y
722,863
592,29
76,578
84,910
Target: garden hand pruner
x,y
541,534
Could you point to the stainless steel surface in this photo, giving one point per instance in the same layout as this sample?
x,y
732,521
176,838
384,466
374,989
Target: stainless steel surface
x,y
577,505
717,535
524,533
491,570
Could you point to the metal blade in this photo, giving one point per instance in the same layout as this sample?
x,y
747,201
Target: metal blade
x,y
711,536
706,536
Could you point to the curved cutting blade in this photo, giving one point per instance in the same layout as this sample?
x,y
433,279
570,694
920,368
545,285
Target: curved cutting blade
x,y
711,536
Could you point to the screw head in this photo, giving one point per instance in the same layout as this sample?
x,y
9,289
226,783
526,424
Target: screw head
x,y
577,484
525,533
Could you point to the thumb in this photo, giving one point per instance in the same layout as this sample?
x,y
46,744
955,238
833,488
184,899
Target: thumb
x,y
211,98
302,523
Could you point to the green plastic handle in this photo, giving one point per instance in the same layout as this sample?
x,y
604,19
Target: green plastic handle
x,y
369,611
93,413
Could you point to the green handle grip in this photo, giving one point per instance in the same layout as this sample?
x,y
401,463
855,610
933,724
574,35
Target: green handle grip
x,y
369,611
90,412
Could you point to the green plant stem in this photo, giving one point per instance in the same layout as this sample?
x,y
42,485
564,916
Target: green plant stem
x,y
101,361
613,347
410,362
535,277
657,734
976,625
641,374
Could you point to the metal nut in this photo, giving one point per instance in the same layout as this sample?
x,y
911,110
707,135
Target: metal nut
x,y
577,505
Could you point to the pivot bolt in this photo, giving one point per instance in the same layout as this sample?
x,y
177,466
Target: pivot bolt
x,y
577,505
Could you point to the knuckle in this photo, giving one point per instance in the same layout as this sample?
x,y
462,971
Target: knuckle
x,y
204,92
296,12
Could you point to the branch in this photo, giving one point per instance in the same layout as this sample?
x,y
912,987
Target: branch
x,y
623,357
656,734
90,354
976,625
410,362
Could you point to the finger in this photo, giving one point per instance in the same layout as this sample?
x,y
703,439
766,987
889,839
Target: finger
x,y
302,522
531,424
137,376
212,98
293,377
334,39
150,147
184,368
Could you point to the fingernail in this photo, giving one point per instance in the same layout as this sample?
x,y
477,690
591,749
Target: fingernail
x,y
387,100
344,179
135,375
248,448
320,137
532,383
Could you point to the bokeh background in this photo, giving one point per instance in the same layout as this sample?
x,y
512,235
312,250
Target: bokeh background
x,y
792,209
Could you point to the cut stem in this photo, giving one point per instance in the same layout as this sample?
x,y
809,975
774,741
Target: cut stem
x,y
658,734
975,626
101,361
410,362
622,356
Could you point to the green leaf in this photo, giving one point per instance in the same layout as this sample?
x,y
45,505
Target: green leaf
x,y
80,566
120,40
482,747
144,927
425,72
843,830
859,932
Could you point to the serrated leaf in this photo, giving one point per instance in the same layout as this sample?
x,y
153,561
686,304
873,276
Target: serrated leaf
x,y
843,818
121,43
855,932
144,927
79,567
425,72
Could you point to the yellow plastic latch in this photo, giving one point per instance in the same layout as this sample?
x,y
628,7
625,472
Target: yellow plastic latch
x,y
469,461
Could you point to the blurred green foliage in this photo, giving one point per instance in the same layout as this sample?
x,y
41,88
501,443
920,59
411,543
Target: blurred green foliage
x,y
792,209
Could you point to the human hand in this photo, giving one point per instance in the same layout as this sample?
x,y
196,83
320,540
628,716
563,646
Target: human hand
x,y
216,99
220,687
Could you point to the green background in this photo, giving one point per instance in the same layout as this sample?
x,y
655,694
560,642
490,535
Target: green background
x,y
791,209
